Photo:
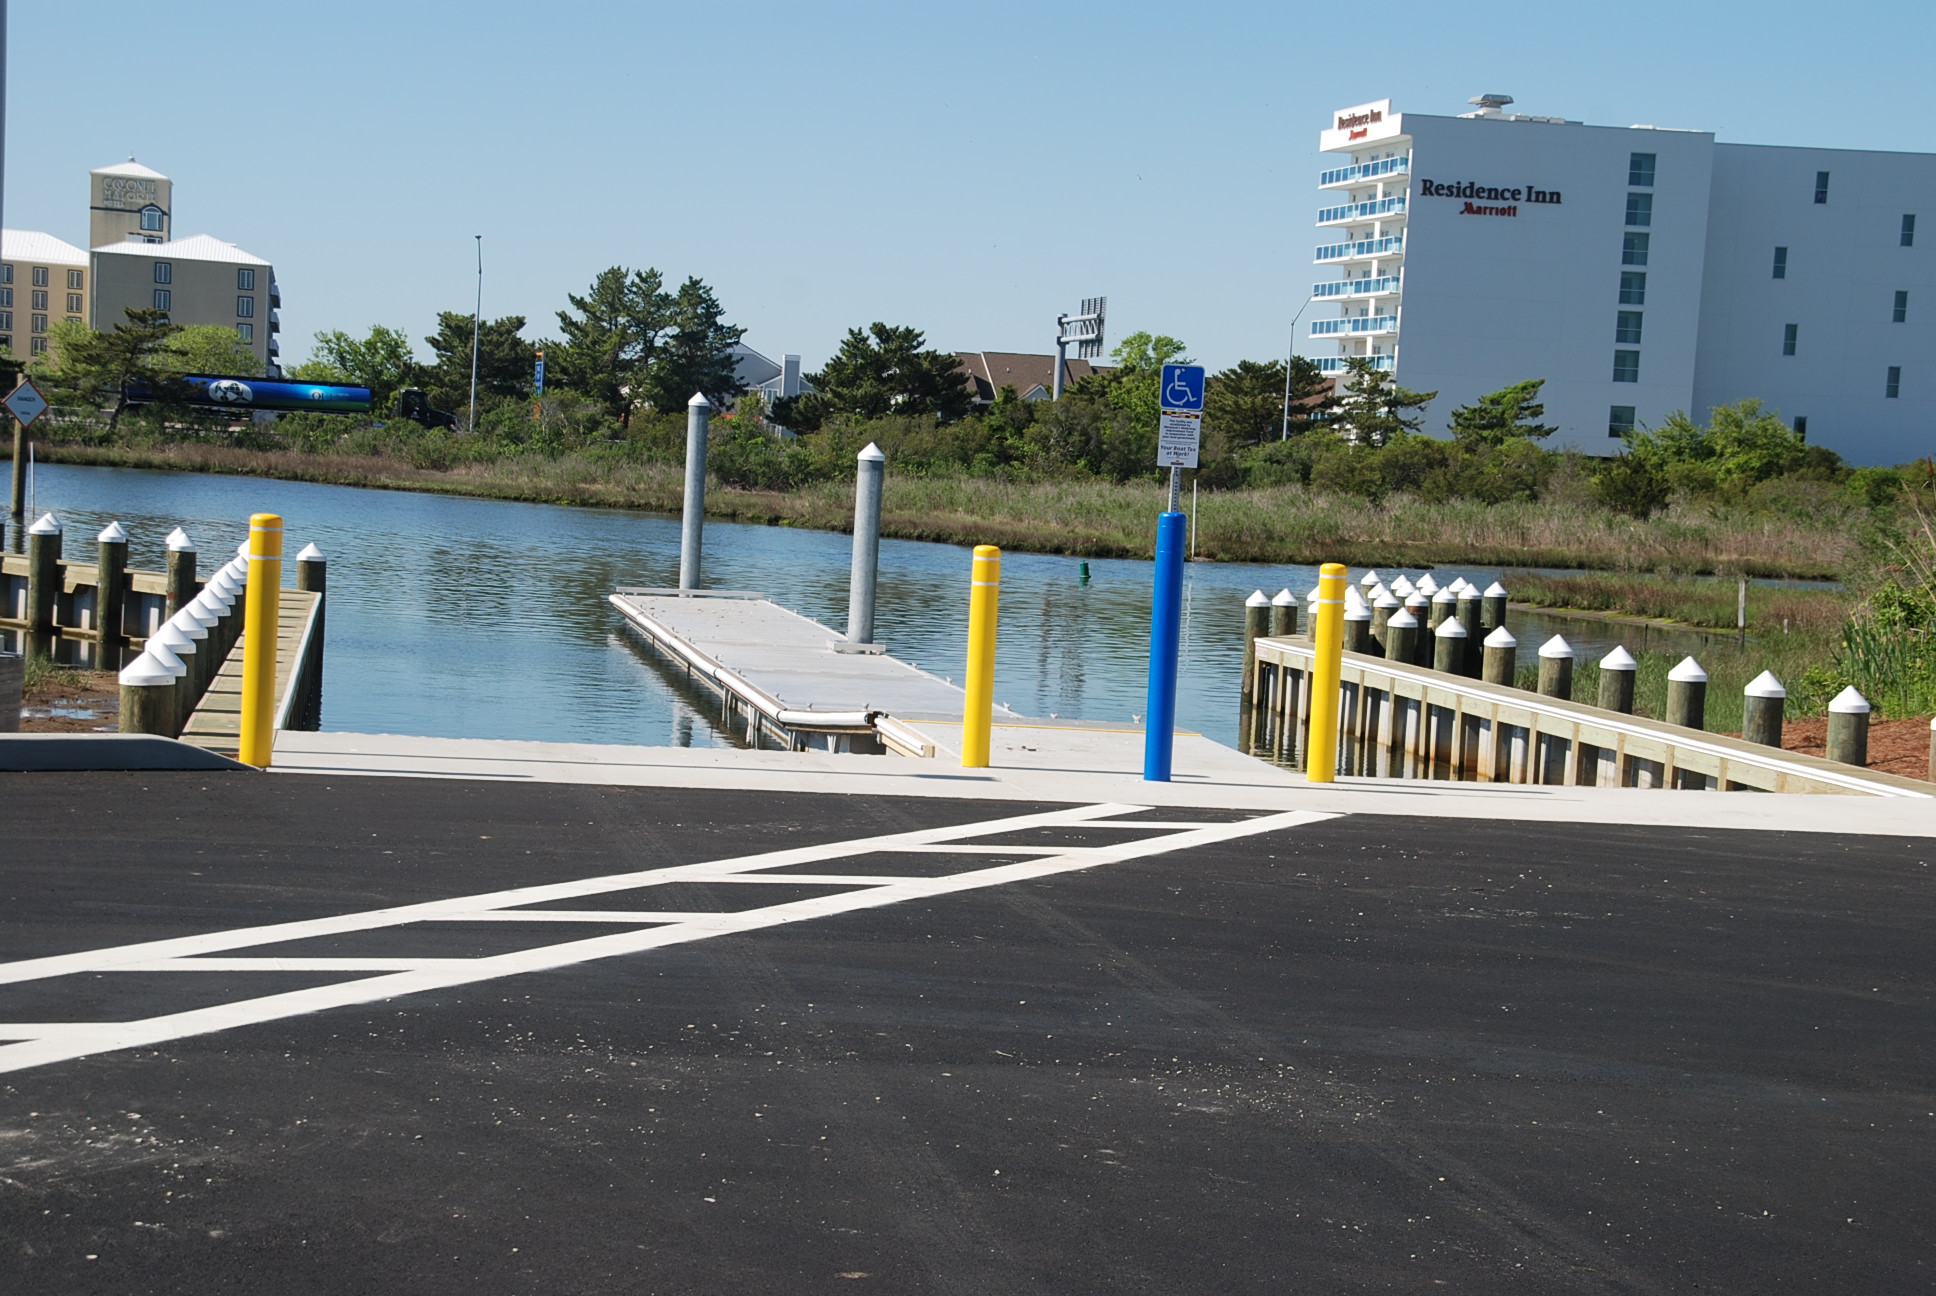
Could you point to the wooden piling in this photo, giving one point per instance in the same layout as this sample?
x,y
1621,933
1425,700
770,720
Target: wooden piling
x,y
1848,728
1617,671
1401,637
312,574
1283,614
188,690
43,584
1761,707
1501,657
110,595
1420,606
1357,622
1469,613
1449,647
1383,604
181,585
1687,695
1492,607
1556,668
1256,624
13,674
147,697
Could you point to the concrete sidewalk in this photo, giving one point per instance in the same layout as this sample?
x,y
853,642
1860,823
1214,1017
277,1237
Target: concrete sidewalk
x,y
1043,761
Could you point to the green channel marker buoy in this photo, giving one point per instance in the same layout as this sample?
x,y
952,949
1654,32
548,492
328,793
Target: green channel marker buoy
x,y
1085,573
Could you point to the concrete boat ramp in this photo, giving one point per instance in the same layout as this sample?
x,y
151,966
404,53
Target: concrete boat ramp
x,y
791,679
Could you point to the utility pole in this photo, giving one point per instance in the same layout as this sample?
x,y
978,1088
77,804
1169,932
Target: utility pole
x,y
1290,358
477,316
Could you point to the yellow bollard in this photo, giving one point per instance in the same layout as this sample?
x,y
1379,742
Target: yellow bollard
x,y
1327,638
984,592
259,628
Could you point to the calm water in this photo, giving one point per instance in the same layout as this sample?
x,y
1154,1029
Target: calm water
x,y
470,618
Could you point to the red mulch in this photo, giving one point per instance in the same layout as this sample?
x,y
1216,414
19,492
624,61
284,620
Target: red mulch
x,y
1899,747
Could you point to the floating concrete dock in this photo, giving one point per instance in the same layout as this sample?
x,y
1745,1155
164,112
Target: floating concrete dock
x,y
790,678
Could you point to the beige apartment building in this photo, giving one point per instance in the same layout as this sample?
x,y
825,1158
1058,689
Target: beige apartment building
x,y
135,262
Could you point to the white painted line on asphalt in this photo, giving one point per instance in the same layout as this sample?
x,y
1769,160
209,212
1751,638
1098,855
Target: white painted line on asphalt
x,y
44,1042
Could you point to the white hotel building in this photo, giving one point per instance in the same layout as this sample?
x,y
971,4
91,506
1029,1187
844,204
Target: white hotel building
x,y
1638,270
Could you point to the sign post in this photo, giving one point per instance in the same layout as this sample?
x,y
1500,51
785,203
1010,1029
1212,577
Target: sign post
x,y
26,404
1179,434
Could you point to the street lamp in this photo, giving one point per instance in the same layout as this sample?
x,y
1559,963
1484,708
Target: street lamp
x,y
479,314
1289,356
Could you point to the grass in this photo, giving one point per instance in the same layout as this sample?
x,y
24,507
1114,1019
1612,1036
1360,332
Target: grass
x,y
1089,517
1706,604
40,672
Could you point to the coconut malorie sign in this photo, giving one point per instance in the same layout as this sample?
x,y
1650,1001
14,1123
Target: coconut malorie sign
x,y
215,391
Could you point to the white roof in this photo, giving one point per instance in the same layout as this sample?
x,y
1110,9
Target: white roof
x,y
42,249
196,247
130,168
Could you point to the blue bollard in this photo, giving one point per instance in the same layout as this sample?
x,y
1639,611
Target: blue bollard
x,y
1166,633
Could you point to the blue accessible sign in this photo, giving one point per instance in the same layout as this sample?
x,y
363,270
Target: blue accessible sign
x,y
1179,430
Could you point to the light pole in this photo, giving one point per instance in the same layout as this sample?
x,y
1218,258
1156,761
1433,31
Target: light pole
x,y
1284,434
479,314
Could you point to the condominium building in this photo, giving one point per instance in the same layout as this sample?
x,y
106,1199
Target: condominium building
x,y
42,279
1638,270
197,280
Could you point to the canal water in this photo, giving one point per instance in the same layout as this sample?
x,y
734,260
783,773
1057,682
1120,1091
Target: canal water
x,y
467,618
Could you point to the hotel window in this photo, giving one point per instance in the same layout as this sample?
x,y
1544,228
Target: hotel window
x,y
40,346
151,218
1626,366
1633,249
1633,288
1909,231
76,303
164,272
40,326
1627,330
245,279
1640,170
1893,388
246,332
6,296
1788,334
1821,186
1781,263
1620,420
1640,209
6,320
40,299
1901,315
74,281
245,307
6,274
40,276
1801,426
164,299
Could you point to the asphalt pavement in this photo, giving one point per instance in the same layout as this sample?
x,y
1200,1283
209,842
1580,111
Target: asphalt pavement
x,y
305,1034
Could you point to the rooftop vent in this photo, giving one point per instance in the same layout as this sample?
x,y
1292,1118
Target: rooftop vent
x,y
1489,105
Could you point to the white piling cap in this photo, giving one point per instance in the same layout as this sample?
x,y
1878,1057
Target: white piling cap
x,y
113,533
310,553
1382,597
1370,578
1450,629
699,401
1402,586
45,524
1427,585
1355,607
1378,591
1765,685
1556,647
1460,585
1501,638
164,657
179,542
1417,599
211,601
242,551
223,584
1619,660
1446,595
872,454
1312,597
1849,702
175,639
189,624
1402,620
1495,590
1257,599
145,672
1688,672
1284,598
205,614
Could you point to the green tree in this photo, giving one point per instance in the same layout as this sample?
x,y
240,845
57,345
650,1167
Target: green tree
x,y
611,337
697,355
1132,385
504,360
208,349
879,371
1373,410
84,367
1511,413
1245,403
381,361
1741,445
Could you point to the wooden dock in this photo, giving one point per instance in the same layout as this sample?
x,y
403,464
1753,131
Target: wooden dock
x,y
216,724
789,677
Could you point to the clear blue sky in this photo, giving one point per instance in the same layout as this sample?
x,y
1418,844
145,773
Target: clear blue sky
x,y
967,169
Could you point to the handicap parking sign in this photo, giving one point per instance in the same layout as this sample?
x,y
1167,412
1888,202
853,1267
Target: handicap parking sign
x,y
1183,388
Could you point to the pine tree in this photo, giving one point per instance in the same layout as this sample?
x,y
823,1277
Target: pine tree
x,y
696,355
1372,408
1508,414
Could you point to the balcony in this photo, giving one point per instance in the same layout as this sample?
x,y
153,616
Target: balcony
x,y
1354,325
1365,171
1336,364
275,321
1383,286
1391,246
1377,207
